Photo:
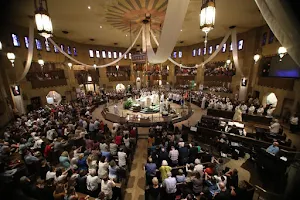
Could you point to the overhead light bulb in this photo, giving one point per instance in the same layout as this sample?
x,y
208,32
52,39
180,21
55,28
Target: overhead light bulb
x,y
0,45
168,68
228,61
256,57
89,7
89,78
41,62
281,52
70,65
11,57
94,65
117,67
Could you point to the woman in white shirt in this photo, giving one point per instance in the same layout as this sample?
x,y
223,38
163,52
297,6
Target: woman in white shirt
x,y
102,167
92,183
106,187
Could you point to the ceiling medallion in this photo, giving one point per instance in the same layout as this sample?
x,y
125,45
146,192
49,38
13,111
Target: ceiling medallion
x,y
126,14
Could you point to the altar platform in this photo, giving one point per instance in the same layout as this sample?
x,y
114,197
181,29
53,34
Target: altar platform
x,y
143,119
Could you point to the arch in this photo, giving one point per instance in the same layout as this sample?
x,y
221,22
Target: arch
x,y
53,98
120,87
270,98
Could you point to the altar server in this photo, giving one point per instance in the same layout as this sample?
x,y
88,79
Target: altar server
x,y
251,110
260,110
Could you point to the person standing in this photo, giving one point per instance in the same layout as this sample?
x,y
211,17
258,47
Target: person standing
x,y
275,127
174,154
203,102
106,187
238,115
170,185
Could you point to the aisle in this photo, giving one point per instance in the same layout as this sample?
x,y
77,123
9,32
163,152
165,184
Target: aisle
x,y
136,183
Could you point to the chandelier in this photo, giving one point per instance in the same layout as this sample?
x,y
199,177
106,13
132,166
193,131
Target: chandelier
x,y
207,17
42,18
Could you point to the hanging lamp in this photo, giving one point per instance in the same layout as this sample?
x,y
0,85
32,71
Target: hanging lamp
x,y
42,18
207,17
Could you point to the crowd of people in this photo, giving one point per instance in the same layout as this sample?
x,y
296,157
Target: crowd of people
x,y
59,151
223,70
180,169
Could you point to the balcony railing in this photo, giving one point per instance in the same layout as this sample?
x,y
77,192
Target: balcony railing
x,y
274,82
119,78
48,83
218,78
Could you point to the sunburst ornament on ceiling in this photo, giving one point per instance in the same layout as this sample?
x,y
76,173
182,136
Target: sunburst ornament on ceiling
x,y
126,14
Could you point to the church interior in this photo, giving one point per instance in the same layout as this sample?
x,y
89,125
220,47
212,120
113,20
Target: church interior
x,y
149,99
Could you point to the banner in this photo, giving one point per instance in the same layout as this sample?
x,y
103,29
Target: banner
x,y
30,51
100,66
174,18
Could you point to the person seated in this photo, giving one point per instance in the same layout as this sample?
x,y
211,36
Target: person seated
x,y
275,127
273,149
235,130
251,109
232,129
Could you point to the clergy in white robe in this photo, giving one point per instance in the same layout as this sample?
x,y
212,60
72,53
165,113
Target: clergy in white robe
x,y
203,102
229,106
251,110
260,110
244,108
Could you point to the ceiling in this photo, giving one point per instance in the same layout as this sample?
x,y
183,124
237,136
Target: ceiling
x,y
110,21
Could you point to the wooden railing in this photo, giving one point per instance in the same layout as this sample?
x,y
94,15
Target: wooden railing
x,y
48,83
274,82
218,78
119,78
158,77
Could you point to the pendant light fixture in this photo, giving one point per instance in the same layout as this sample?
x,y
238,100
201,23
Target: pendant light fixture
x,y
282,52
70,64
207,17
42,18
40,60
11,57
256,57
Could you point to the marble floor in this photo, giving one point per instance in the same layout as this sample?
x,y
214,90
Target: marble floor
x,y
136,183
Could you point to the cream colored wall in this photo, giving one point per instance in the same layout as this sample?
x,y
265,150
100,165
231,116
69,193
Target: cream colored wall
x,y
252,40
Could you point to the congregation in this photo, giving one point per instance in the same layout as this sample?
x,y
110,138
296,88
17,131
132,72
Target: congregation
x,y
55,152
